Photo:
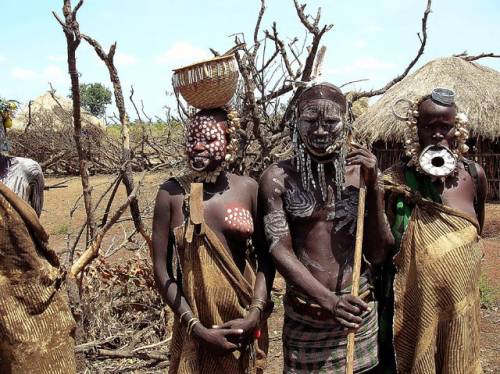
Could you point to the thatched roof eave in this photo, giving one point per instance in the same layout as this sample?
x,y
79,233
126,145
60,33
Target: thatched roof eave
x,y
478,95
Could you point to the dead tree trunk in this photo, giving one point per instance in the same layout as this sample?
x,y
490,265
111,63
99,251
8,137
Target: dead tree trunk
x,y
73,38
126,170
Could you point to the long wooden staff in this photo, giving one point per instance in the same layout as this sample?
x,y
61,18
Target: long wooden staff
x,y
356,269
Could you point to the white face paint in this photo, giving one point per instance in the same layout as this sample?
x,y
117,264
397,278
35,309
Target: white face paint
x,y
205,143
320,126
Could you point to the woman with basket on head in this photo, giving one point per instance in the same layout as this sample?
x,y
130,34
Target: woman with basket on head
x,y
202,223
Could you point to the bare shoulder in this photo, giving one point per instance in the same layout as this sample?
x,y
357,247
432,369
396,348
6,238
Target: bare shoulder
x,y
482,183
243,181
170,188
278,171
480,172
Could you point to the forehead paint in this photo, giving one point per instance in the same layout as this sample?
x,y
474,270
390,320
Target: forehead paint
x,y
325,91
325,108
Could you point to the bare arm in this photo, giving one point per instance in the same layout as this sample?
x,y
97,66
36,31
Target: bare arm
x,y
482,191
378,238
168,287
265,265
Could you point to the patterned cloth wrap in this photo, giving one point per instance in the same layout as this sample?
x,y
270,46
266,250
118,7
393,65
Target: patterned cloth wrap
x,y
436,286
36,324
314,346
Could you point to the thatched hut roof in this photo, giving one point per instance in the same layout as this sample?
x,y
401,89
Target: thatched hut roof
x,y
45,109
477,90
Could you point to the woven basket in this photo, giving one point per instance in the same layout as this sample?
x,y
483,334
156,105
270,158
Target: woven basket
x,y
207,84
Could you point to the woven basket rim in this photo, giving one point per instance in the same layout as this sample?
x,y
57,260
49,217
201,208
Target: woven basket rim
x,y
196,64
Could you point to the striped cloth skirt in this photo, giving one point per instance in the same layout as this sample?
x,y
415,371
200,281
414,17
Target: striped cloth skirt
x,y
320,346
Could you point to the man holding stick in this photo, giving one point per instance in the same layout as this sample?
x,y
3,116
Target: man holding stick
x,y
309,206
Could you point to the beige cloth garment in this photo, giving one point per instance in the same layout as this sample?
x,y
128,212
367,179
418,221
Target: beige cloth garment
x,y
36,324
217,292
436,288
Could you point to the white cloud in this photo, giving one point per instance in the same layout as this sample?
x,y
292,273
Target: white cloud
x,y
22,74
365,64
51,73
182,53
373,28
54,74
2,58
57,58
360,43
370,63
125,59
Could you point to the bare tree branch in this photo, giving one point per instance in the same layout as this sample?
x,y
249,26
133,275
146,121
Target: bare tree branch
x,y
131,98
309,63
259,20
280,46
355,81
127,179
303,18
273,95
423,40
466,57
92,251
232,50
72,32
250,100
214,52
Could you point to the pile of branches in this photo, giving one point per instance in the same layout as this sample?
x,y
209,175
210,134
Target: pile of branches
x,y
51,143
123,318
53,147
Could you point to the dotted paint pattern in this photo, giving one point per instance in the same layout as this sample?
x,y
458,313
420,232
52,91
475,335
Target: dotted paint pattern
x,y
210,133
240,219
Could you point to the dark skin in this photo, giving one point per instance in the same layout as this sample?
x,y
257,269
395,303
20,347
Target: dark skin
x,y
228,191
311,255
436,126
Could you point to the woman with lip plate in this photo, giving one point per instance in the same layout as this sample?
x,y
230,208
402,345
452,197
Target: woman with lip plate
x,y
202,223
430,288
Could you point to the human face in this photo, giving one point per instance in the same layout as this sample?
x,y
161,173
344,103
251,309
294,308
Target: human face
x,y
206,143
436,125
320,125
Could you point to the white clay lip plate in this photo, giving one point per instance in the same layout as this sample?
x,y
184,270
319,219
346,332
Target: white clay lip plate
x,y
437,161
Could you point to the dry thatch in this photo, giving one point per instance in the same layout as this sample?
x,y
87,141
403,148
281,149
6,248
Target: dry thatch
x,y
59,111
478,94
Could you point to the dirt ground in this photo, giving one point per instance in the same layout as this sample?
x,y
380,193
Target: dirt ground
x,y
61,225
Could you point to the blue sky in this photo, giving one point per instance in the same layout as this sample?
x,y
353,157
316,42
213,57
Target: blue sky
x,y
370,39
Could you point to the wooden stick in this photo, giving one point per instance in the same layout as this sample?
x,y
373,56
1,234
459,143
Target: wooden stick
x,y
356,269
